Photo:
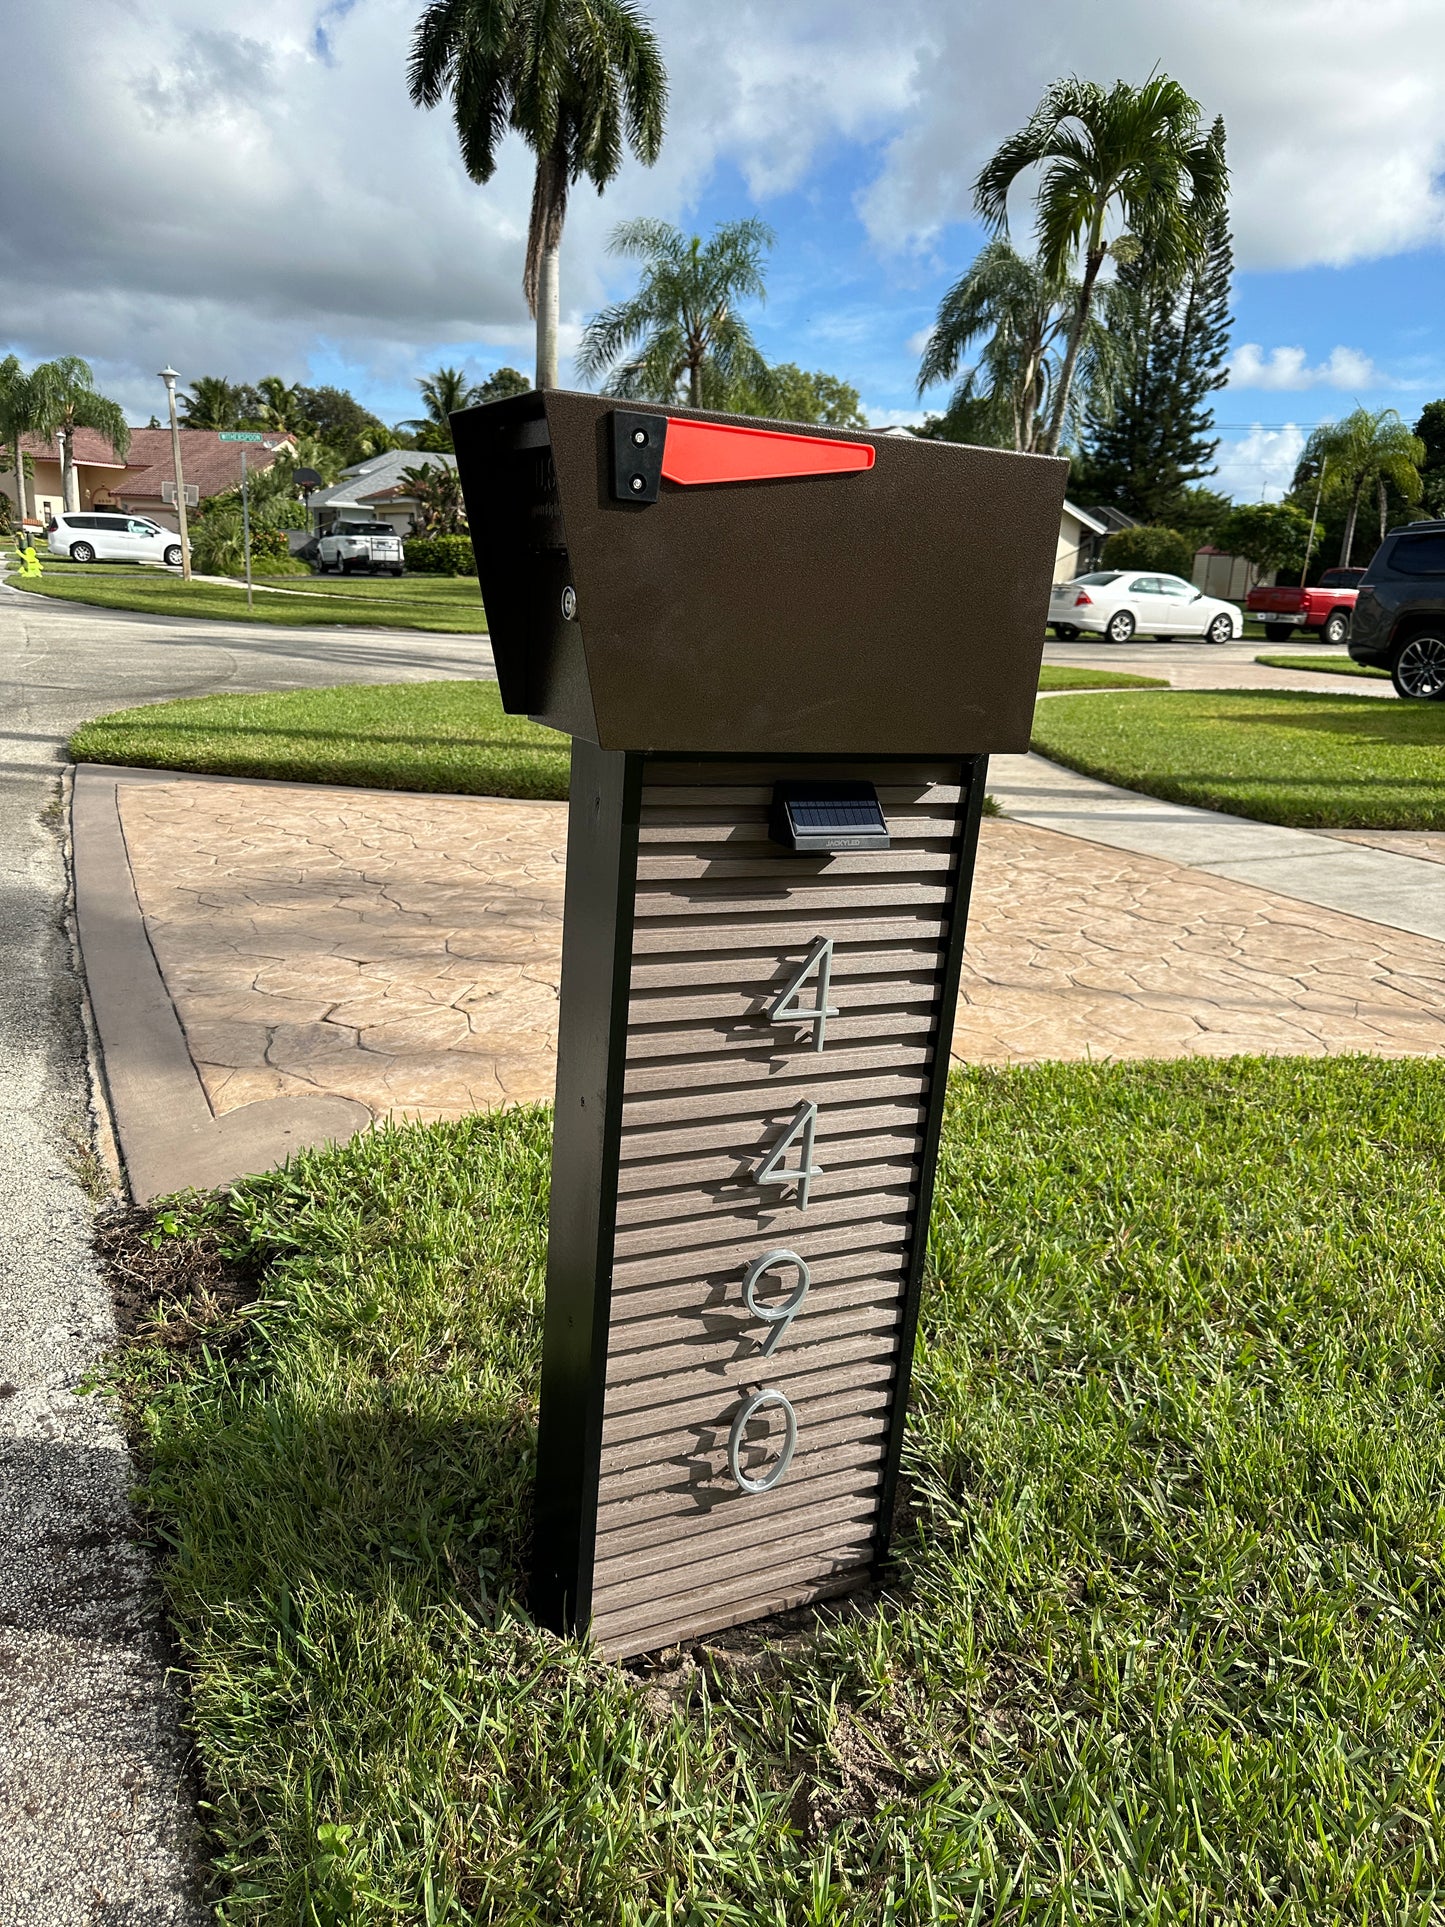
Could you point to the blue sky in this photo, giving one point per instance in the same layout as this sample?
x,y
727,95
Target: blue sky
x,y
269,201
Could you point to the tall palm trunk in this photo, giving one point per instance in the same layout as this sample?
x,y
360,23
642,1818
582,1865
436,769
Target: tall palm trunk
x,y
69,480
1380,484
19,482
1093,262
542,281
1348,543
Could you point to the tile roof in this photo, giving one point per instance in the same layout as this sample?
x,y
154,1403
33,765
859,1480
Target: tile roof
x,y
208,462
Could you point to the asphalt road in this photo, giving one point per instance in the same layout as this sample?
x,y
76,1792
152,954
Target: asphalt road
x,y
96,1809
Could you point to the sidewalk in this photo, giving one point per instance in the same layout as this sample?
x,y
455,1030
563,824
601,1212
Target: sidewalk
x,y
1373,878
323,957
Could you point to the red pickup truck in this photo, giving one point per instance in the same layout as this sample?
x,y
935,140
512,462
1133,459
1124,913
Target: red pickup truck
x,y
1326,606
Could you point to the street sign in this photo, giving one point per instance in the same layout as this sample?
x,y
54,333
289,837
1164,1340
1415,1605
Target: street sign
x,y
239,435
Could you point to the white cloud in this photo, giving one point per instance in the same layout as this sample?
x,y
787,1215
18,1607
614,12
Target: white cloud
x,y
1288,368
1260,465
252,197
1335,138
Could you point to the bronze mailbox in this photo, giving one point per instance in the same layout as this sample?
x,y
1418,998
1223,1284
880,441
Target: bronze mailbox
x,y
783,655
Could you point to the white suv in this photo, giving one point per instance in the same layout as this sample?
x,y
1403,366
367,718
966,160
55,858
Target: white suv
x,y
113,538
360,547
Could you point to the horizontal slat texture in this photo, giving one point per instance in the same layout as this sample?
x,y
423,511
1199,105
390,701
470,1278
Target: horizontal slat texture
x,y
725,917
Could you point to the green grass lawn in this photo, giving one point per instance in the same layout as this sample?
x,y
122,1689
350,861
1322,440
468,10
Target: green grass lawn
x,y
1058,676
1165,1641
399,736
449,604
1327,665
1324,761
408,735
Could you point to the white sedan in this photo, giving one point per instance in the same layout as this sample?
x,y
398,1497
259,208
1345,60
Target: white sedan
x,y
1118,602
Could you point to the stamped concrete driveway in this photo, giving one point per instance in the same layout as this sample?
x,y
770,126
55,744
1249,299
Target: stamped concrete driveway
x,y
95,1810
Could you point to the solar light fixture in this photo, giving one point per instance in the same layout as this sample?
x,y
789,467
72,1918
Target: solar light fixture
x,y
823,818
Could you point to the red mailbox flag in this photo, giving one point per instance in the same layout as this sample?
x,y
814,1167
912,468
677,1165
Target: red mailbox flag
x,y
696,452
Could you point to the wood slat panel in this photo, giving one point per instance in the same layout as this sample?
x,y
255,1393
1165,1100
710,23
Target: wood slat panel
x,y
723,919
638,1379
848,1272
840,1177
774,1102
724,902
684,1493
628,1527
641,1626
853,1409
784,928
646,1148
697,1564
753,1039
783,869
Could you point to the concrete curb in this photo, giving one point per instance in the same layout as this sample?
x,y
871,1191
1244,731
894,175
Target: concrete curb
x,y
170,1138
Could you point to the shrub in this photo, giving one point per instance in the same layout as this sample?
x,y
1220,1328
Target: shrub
x,y
440,555
1149,548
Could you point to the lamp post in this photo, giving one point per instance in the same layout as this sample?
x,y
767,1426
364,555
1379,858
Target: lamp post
x,y
169,376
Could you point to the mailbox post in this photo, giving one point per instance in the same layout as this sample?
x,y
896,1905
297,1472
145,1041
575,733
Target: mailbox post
x,y
783,657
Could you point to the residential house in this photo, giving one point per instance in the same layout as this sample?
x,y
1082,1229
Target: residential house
x,y
375,490
1081,535
134,485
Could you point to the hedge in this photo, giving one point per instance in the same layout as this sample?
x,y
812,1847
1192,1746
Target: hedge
x,y
440,555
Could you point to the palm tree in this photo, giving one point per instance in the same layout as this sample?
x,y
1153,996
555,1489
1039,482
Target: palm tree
x,y
438,493
1368,449
18,418
443,392
282,409
1026,313
213,402
1134,151
66,398
684,316
577,79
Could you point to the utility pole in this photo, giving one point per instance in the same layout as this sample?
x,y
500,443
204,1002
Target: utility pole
x,y
246,527
169,376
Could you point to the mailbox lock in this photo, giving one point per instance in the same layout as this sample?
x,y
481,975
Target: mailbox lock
x,y
569,604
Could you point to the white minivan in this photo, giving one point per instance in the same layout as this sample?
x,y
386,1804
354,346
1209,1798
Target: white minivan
x,y
113,538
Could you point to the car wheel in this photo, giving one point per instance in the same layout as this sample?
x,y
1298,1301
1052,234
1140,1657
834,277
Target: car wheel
x,y
1121,626
1220,630
172,556
1065,631
1337,628
1278,631
81,552
1418,671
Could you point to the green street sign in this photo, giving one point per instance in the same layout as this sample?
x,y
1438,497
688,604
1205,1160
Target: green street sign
x,y
239,435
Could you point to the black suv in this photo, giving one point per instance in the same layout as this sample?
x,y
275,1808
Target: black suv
x,y
1399,620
